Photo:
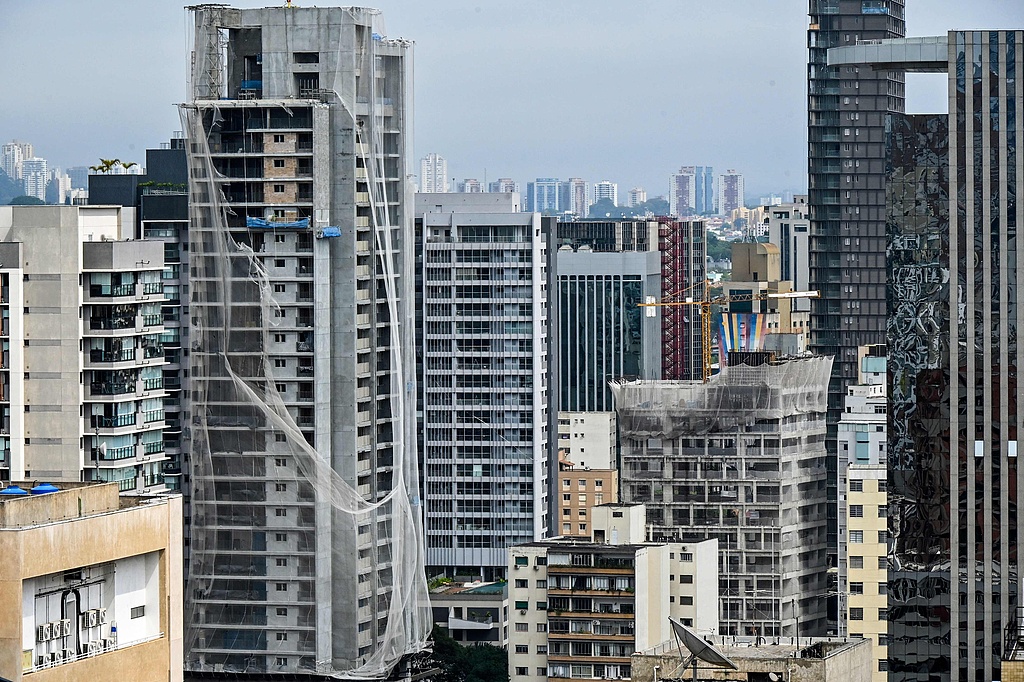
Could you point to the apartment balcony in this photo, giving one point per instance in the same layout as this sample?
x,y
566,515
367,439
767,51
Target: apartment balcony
x,y
110,359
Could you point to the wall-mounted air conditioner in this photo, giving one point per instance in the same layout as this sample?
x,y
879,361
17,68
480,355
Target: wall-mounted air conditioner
x,y
65,627
69,655
102,615
43,632
109,644
56,658
43,660
94,647
94,617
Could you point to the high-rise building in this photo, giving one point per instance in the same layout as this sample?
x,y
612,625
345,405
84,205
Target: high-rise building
x,y
34,178
789,229
606,189
11,157
604,270
434,173
637,196
82,379
306,542
542,196
471,186
484,381
954,427
740,458
691,191
846,109
730,192
79,177
683,247
573,197
503,186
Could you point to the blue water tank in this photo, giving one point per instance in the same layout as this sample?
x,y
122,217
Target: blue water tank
x,y
44,488
13,490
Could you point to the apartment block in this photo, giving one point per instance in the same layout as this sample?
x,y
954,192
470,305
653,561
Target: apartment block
x,y
472,613
788,227
305,550
487,426
104,609
580,608
739,459
82,380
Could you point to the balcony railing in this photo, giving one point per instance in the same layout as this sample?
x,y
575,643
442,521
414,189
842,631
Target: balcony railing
x,y
153,384
113,422
153,287
152,320
111,388
150,416
153,448
102,290
110,323
103,355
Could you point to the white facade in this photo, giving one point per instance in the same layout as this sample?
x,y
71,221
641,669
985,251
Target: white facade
x,y
503,186
484,380
588,438
637,196
788,227
606,190
34,177
11,156
471,186
433,173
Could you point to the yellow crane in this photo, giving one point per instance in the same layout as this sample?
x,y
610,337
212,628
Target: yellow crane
x,y
706,301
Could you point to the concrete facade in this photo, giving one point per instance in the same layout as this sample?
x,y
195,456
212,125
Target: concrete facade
x,y
106,570
788,227
83,356
473,613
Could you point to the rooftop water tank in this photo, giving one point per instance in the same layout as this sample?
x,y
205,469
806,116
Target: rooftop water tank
x,y
13,490
44,488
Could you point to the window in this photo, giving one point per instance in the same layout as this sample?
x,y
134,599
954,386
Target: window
x,y
542,627
279,138
883,588
138,611
522,605
883,664
279,263
280,461
686,579
582,484
524,671
883,511
883,614
281,537
522,561
566,528
856,588
883,563
542,606
281,561
282,636
280,512
522,583
280,338
686,601
856,485
883,486
282,611
567,512
278,362
279,238
583,528
280,487
883,536
542,584
279,163
522,627
281,587
583,498
522,648
280,661
599,484
541,671
856,536
279,288
856,511
567,497
686,556
278,189
856,562
857,613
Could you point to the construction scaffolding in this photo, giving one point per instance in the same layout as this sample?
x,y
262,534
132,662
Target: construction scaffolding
x,y
737,396
306,552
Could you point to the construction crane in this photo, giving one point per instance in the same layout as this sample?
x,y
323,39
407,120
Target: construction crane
x,y
706,301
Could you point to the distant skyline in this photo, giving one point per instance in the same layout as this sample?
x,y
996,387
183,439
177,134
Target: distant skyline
x,y
579,88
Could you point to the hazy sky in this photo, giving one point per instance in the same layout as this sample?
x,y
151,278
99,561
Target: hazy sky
x,y
625,91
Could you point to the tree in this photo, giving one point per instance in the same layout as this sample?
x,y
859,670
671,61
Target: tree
x,y
457,663
25,200
107,165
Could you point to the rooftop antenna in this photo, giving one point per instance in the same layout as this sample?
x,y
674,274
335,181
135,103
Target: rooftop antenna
x,y
697,649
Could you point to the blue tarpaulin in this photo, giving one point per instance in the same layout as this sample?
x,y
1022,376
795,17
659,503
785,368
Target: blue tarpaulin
x,y
329,232
271,224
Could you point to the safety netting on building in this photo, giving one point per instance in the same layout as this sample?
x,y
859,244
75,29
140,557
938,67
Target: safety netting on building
x,y
738,396
306,543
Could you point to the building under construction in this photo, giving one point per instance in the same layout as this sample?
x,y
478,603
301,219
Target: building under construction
x,y
740,458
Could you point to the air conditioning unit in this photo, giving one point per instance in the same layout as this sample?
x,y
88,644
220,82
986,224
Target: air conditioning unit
x,y
43,660
102,615
56,658
94,647
65,629
69,655
109,643
522,612
83,620
43,632
94,617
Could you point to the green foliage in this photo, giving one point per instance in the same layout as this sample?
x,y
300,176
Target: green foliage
x,y
107,165
24,200
9,188
718,249
483,663
437,582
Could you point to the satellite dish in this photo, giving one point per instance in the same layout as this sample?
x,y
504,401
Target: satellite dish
x,y
698,648
774,677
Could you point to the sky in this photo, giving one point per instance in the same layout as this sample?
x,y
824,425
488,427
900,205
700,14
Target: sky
x,y
601,90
